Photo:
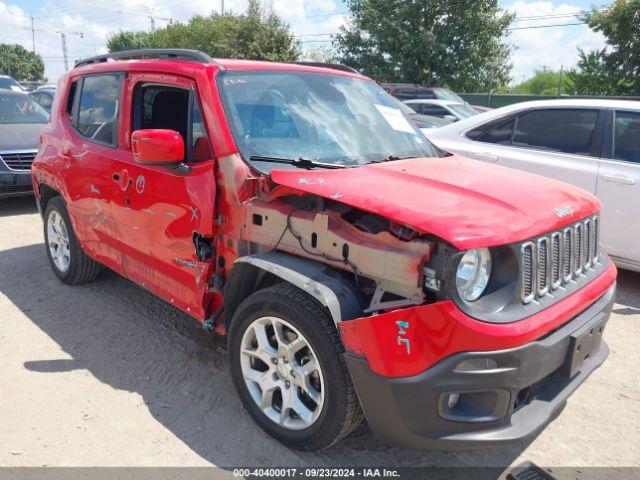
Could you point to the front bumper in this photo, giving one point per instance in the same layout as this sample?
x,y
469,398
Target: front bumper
x,y
527,388
15,184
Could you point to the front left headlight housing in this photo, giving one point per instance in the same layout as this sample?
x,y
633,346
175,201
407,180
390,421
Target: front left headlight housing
x,y
473,273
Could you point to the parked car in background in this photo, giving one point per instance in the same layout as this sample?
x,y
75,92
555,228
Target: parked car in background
x,y
357,272
422,121
449,110
409,91
44,97
594,144
8,83
21,121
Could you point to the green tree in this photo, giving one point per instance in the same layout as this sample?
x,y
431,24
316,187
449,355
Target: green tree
x,y
593,76
545,82
454,43
20,63
614,70
255,34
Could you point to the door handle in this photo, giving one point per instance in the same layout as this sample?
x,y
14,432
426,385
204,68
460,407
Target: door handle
x,y
621,179
122,179
487,157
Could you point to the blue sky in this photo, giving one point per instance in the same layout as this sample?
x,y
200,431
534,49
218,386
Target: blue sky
x,y
311,20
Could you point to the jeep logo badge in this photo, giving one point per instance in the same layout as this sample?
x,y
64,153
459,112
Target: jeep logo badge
x,y
563,211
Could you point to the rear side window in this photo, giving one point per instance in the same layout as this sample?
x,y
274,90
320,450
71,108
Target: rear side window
x,y
99,107
72,98
626,140
434,110
566,130
500,134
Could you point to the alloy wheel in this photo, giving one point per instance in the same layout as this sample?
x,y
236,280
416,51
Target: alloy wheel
x,y
282,373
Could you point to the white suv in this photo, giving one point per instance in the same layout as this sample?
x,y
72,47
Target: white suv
x,y
594,144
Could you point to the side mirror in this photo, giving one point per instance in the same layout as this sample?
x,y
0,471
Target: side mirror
x,y
451,118
157,146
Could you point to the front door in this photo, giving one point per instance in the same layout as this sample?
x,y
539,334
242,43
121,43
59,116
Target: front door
x,y
553,142
619,190
162,212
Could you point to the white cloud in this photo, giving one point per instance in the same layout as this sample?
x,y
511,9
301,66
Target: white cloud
x,y
96,20
551,47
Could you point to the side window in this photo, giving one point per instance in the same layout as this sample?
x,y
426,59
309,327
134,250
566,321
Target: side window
x,y
425,94
500,134
167,107
72,99
434,110
558,130
45,100
626,137
405,93
99,106
200,144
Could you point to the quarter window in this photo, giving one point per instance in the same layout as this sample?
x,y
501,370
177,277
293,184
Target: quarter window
x,y
566,130
500,134
99,106
626,142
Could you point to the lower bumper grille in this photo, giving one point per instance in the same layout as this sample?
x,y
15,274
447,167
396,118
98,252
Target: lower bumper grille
x,y
18,160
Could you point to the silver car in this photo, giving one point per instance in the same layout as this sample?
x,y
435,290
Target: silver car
x,y
594,144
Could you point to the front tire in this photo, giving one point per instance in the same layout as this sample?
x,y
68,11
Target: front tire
x,y
68,261
287,366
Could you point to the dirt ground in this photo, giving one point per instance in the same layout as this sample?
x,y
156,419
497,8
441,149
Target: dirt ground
x,y
106,374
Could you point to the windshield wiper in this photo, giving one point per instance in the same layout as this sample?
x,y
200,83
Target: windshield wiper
x,y
391,158
300,162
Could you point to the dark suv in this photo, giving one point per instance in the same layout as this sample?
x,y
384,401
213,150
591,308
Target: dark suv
x,y
21,121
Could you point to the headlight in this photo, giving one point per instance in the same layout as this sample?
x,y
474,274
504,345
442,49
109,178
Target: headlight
x,y
473,273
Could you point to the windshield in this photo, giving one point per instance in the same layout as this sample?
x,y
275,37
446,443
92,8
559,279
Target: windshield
x,y
321,117
462,110
446,94
7,83
20,108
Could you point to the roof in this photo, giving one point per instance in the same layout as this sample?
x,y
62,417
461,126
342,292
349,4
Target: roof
x,y
573,102
471,122
151,59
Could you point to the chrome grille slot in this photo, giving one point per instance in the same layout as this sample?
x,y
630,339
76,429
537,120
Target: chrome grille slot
x,y
556,260
528,272
596,238
579,250
551,261
18,160
587,243
567,261
543,266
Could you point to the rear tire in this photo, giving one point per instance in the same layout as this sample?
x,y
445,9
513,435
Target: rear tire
x,y
293,381
68,260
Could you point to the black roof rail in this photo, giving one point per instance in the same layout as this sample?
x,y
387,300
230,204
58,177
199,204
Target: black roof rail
x,y
157,53
334,66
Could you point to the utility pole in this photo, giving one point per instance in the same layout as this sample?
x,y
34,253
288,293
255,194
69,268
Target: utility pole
x,y
221,7
65,53
33,33
153,21
560,80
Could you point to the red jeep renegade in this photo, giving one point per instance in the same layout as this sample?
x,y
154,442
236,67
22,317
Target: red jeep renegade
x,y
357,270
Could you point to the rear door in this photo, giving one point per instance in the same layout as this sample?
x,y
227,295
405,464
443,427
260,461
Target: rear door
x,y
560,143
619,187
161,211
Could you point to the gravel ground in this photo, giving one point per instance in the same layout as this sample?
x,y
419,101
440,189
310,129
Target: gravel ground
x,y
106,374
